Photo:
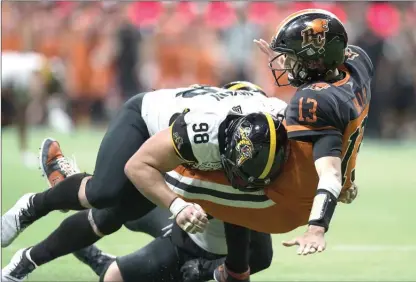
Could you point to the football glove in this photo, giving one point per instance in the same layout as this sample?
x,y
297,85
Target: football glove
x,y
348,196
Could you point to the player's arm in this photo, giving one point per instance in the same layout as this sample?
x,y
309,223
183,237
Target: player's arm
x,y
357,54
146,167
145,170
313,116
327,157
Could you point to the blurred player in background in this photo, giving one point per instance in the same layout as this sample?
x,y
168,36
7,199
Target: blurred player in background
x,y
29,80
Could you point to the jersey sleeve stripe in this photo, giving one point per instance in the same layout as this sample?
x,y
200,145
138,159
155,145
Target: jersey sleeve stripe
x,y
198,190
357,105
272,150
215,176
180,138
174,144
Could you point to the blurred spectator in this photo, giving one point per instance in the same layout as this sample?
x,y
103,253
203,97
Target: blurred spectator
x,y
111,51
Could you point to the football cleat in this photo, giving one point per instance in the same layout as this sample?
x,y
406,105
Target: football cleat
x,y
199,269
19,267
54,165
17,219
94,258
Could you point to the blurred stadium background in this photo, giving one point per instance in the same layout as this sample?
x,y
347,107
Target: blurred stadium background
x,y
102,53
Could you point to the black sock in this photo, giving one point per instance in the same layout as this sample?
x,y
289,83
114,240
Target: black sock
x,y
74,233
238,243
64,196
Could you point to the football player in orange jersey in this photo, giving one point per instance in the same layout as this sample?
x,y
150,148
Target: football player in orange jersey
x,y
328,113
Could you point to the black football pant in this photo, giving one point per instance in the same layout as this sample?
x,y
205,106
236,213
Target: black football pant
x,y
163,258
114,198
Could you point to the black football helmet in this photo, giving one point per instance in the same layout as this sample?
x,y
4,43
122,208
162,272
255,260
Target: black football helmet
x,y
255,151
313,42
244,85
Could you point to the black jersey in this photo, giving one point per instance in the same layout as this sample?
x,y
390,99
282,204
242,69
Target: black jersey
x,y
339,108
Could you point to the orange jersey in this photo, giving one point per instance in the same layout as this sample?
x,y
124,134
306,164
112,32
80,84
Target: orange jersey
x,y
282,207
339,108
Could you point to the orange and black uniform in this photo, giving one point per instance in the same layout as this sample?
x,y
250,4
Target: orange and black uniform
x,y
322,119
319,109
338,109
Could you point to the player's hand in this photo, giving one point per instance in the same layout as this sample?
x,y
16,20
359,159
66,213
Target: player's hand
x,y
192,219
310,242
265,48
349,195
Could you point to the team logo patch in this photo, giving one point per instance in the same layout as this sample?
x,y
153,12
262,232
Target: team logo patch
x,y
237,109
350,55
318,86
178,140
244,147
314,34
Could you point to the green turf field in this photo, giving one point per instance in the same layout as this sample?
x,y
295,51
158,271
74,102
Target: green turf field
x,y
373,239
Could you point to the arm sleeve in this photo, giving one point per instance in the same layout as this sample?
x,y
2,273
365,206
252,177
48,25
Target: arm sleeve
x,y
180,139
355,53
195,136
313,113
327,146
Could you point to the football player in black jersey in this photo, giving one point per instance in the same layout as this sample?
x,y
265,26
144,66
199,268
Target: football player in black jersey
x,y
328,110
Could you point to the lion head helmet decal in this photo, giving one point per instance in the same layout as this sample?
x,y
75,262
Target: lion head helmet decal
x,y
314,33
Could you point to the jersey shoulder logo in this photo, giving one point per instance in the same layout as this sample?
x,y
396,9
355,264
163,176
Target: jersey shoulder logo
x,y
178,140
314,33
350,55
318,86
237,109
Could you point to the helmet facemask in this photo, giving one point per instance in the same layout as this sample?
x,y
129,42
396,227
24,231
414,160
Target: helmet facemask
x,y
293,66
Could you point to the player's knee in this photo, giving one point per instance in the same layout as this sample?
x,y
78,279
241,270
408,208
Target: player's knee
x,y
261,261
99,197
265,259
133,225
106,221
112,274
261,252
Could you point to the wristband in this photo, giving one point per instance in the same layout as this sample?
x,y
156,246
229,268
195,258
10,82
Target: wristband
x,y
323,208
177,206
